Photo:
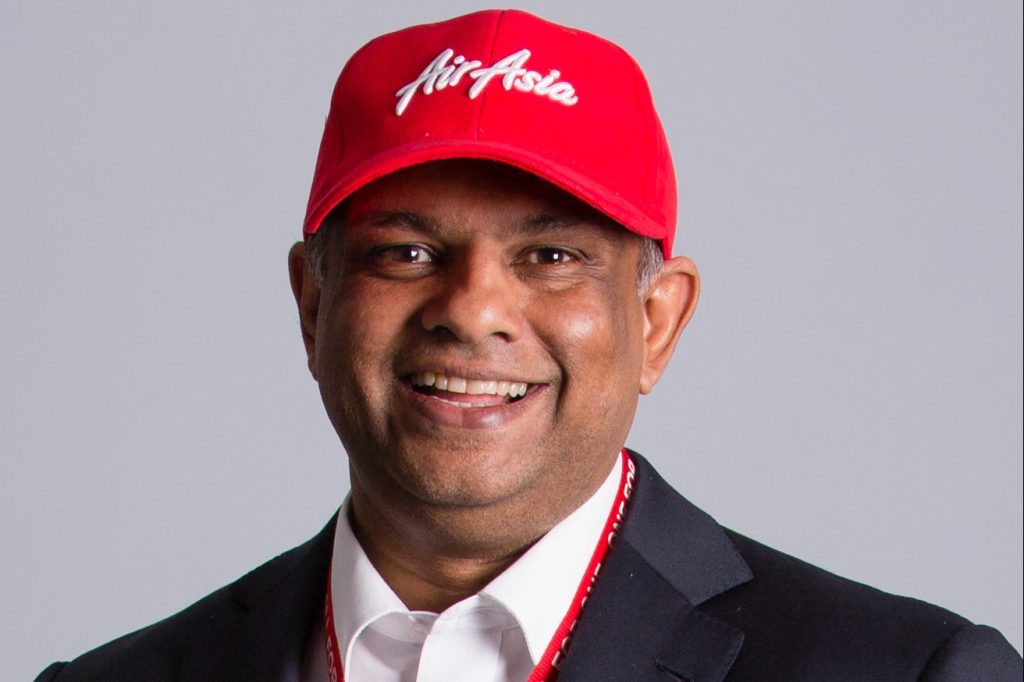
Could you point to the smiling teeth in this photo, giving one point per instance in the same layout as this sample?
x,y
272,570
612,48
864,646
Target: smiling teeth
x,y
513,389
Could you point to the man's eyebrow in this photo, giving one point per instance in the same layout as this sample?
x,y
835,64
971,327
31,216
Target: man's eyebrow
x,y
582,223
400,217
554,221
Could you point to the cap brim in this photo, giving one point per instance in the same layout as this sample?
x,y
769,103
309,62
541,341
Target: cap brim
x,y
564,176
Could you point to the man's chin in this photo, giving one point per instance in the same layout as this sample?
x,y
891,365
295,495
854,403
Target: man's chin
x,y
465,491
456,478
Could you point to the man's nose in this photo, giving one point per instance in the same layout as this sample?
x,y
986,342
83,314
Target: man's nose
x,y
477,297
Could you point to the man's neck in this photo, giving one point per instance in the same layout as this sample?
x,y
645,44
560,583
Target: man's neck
x,y
429,579
434,555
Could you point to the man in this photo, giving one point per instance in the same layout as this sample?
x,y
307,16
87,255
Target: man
x,y
486,286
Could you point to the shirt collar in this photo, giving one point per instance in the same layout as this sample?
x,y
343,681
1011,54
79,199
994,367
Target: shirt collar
x,y
359,594
537,589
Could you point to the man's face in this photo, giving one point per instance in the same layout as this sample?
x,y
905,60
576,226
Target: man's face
x,y
479,338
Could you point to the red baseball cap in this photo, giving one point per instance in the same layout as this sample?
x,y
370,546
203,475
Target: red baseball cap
x,y
565,105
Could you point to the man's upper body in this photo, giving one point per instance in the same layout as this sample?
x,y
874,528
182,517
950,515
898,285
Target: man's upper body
x,y
679,598
486,287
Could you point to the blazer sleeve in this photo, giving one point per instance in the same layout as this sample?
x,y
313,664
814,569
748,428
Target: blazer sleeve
x,y
976,652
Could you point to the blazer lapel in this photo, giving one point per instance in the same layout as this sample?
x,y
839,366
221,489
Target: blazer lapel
x,y
278,605
642,621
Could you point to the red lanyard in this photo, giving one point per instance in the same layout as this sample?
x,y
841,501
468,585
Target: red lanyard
x,y
554,655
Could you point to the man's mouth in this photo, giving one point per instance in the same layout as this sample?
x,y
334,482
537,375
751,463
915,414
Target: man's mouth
x,y
468,393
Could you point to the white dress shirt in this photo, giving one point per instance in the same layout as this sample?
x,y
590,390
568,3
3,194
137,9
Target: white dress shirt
x,y
497,635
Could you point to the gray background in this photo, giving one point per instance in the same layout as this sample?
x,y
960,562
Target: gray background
x,y
849,391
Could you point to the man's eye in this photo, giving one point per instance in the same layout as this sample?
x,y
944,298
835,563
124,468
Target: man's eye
x,y
405,253
549,255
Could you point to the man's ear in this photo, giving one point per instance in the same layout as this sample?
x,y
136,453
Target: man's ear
x,y
668,304
307,297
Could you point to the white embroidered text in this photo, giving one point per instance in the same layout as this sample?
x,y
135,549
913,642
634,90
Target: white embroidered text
x,y
447,69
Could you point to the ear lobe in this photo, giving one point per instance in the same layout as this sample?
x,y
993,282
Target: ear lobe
x,y
307,298
668,304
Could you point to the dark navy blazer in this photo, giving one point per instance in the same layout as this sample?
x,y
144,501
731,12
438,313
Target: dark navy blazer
x,y
679,598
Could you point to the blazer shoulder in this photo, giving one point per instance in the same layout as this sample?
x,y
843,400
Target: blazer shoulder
x,y
157,652
51,672
840,626
814,591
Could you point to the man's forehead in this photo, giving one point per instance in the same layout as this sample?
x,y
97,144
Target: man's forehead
x,y
433,197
